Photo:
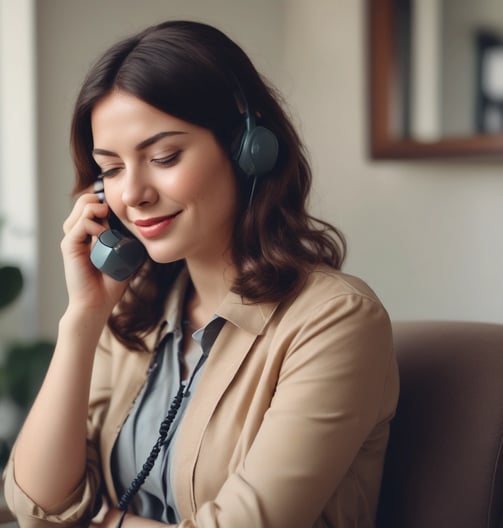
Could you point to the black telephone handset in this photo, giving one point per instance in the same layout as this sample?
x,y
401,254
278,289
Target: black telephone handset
x,y
115,253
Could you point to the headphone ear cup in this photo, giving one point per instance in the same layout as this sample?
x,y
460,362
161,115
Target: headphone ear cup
x,y
258,152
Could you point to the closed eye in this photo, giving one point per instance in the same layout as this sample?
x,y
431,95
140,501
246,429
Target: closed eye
x,y
167,160
110,172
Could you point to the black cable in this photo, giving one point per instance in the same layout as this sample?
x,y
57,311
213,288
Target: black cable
x,y
183,391
126,498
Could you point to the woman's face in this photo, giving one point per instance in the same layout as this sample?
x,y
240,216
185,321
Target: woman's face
x,y
168,181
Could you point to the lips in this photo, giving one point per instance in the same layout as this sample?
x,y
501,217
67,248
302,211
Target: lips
x,y
152,227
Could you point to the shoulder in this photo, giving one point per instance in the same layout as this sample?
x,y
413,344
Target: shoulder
x,y
335,304
335,326
326,286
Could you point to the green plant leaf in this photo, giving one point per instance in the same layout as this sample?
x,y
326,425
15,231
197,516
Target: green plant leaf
x,y
24,369
3,382
4,452
11,284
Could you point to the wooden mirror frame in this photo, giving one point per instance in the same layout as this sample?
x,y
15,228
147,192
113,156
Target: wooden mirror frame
x,y
384,100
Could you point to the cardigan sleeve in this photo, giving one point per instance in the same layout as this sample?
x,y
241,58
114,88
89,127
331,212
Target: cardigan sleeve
x,y
85,501
75,511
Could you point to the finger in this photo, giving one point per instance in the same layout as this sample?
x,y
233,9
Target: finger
x,y
83,232
77,209
87,206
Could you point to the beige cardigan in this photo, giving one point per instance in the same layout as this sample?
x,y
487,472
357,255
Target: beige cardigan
x,y
288,425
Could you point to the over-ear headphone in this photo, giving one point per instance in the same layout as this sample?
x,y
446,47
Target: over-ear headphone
x,y
258,149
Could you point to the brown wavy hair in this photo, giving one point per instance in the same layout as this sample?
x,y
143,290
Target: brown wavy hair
x,y
193,71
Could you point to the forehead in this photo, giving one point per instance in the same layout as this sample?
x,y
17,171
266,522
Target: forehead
x,y
121,115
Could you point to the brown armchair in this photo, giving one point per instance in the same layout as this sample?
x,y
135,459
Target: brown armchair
x,y
444,466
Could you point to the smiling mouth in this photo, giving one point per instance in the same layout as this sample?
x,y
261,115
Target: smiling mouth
x,y
149,222
153,227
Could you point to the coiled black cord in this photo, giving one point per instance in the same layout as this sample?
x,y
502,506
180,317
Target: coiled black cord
x,y
128,495
137,482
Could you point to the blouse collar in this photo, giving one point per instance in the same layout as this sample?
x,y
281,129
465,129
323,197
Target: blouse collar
x,y
248,315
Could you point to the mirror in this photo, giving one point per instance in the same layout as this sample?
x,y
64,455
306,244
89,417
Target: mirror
x,y
435,78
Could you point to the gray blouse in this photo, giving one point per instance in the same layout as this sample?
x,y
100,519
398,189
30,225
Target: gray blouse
x,y
155,499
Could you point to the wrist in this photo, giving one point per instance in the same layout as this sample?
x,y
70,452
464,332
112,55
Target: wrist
x,y
84,322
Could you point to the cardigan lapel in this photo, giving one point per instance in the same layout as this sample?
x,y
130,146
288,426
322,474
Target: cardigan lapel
x,y
244,323
135,375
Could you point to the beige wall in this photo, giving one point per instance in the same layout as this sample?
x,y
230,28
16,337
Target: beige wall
x,y
426,236
18,192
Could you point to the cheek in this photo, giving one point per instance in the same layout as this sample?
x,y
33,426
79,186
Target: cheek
x,y
211,184
112,194
118,210
219,195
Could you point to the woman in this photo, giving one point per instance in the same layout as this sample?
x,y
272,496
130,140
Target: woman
x,y
274,370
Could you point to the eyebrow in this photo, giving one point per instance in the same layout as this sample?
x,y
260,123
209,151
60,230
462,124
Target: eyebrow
x,y
143,144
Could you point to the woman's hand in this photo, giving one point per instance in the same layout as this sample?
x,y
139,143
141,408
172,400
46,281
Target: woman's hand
x,y
111,518
88,288
108,520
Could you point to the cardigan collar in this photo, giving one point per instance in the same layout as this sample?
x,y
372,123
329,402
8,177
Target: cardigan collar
x,y
250,316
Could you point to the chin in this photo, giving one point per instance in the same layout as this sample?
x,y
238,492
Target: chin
x,y
164,259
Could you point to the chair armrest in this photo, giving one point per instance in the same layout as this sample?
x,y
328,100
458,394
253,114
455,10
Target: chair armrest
x,y
6,518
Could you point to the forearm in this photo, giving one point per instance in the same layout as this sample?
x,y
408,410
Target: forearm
x,y
50,454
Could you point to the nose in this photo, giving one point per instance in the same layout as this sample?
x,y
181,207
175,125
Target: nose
x,y
137,189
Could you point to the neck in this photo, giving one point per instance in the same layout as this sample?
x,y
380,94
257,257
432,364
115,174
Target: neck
x,y
210,285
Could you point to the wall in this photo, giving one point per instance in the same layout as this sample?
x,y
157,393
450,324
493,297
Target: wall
x,y
18,185
426,236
